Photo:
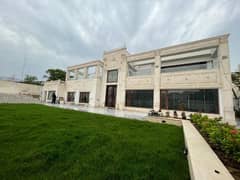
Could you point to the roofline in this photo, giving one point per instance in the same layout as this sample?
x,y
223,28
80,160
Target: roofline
x,y
151,51
183,44
114,50
85,64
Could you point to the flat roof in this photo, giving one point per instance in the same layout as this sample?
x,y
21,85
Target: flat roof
x,y
90,63
95,62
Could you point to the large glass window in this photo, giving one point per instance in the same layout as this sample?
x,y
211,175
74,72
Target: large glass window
x,y
184,67
91,72
50,93
70,96
141,67
81,73
112,76
196,100
84,97
139,98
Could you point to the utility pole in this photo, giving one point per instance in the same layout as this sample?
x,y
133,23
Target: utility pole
x,y
24,59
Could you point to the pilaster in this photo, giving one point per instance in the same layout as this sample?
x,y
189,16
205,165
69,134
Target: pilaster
x,y
156,79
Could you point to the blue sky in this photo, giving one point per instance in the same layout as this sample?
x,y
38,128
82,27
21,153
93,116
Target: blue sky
x,y
59,33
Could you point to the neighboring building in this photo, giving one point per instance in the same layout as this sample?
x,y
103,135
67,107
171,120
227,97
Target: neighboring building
x,y
191,77
11,87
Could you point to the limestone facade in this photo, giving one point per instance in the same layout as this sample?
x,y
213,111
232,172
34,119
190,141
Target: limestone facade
x,y
166,70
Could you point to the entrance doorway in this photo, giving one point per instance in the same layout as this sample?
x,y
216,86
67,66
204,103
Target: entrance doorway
x,y
111,93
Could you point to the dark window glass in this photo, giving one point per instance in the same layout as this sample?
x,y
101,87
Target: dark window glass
x,y
139,98
84,97
196,100
50,93
70,96
184,67
112,76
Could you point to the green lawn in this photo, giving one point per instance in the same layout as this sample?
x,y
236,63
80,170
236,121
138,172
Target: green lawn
x,y
40,142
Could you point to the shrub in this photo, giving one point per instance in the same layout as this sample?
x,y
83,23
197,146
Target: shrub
x,y
222,135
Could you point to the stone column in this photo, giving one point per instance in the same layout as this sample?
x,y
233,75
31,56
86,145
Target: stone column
x,y
85,73
156,80
226,105
67,75
76,74
76,100
97,74
122,73
104,80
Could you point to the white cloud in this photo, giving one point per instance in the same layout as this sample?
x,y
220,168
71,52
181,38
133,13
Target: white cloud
x,y
62,33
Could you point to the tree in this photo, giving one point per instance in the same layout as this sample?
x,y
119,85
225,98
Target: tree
x,y
236,78
55,74
30,79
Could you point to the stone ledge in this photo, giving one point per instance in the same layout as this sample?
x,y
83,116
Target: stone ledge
x,y
203,162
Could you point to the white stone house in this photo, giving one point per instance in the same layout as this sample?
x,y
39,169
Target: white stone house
x,y
190,77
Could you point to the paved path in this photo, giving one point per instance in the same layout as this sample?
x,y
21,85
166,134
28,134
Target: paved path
x,y
105,111
111,112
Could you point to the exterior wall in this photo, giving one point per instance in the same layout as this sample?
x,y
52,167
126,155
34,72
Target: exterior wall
x,y
84,85
191,79
115,59
58,86
218,77
9,87
226,82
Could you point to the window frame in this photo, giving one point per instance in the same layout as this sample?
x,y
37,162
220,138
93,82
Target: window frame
x,y
145,63
188,97
74,94
91,75
109,71
71,77
87,98
184,67
78,73
137,102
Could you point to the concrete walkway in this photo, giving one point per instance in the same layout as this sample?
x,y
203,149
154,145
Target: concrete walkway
x,y
202,160
105,111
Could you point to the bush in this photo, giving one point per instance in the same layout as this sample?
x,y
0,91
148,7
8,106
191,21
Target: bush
x,y
222,135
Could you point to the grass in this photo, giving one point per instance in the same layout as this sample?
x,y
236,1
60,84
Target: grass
x,y
40,142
